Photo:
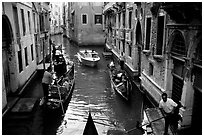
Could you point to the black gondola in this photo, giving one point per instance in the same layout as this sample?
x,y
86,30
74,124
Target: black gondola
x,y
90,128
60,89
120,82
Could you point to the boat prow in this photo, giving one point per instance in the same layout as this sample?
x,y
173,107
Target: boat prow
x,y
90,128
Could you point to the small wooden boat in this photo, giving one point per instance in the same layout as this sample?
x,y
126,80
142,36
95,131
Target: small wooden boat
x,y
90,128
61,88
120,82
88,57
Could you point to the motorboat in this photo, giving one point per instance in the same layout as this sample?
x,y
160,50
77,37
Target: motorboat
x,y
120,82
88,57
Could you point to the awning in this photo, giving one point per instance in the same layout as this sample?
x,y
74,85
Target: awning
x,y
108,7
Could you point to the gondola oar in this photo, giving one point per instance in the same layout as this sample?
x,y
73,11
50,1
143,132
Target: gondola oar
x,y
139,126
60,99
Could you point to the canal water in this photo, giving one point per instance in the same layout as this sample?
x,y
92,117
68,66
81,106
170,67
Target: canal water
x,y
93,92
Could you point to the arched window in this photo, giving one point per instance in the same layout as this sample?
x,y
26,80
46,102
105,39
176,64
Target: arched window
x,y
138,34
198,54
178,45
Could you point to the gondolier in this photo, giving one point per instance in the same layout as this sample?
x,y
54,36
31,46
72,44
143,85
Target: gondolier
x,y
167,106
46,81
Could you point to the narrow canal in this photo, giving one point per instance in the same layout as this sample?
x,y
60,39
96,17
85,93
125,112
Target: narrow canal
x,y
93,92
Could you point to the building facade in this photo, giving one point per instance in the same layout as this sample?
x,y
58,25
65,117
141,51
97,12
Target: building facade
x,y
85,22
162,45
21,52
56,16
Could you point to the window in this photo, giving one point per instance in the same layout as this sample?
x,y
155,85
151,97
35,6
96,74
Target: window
x,y
26,56
84,19
34,22
151,68
32,56
178,45
46,22
130,19
119,45
20,63
123,42
29,25
148,30
23,22
138,34
123,19
41,22
130,50
198,54
119,20
160,34
98,19
16,22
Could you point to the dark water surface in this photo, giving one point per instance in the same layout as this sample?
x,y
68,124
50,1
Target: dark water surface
x,y
92,92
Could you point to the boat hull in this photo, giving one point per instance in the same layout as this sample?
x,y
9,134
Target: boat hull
x,y
89,63
58,94
121,89
87,59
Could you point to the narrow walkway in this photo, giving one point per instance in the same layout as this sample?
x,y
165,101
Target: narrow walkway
x,y
23,111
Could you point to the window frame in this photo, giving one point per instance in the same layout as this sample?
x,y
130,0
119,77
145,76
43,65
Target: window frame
x,y
98,14
23,21
32,52
150,34
26,56
86,18
163,36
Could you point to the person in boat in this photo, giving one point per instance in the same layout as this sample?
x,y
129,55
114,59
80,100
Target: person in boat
x,y
112,66
66,83
118,79
46,81
53,50
122,60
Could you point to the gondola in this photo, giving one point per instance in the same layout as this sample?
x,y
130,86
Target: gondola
x,y
88,57
90,128
120,82
63,84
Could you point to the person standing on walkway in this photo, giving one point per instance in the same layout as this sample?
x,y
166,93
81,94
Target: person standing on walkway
x,y
46,81
122,60
167,106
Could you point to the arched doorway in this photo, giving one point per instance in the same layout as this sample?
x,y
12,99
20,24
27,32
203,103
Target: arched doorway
x,y
6,49
138,42
178,51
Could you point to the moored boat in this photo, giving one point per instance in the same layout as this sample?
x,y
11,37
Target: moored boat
x,y
88,57
120,82
63,84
